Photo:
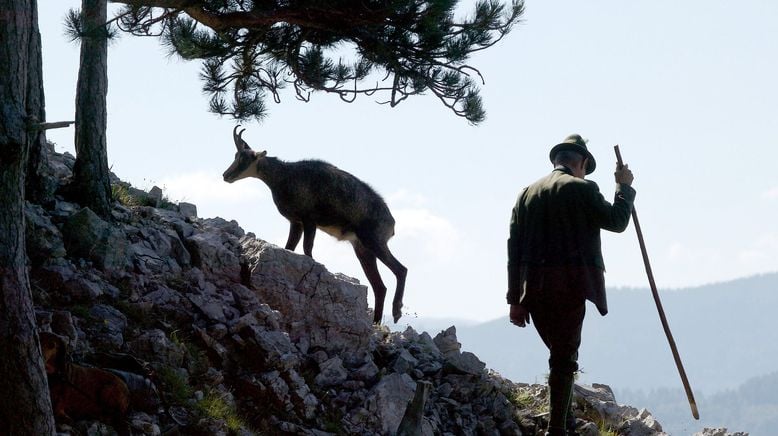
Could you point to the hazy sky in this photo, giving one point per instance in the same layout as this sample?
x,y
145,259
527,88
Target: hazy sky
x,y
688,89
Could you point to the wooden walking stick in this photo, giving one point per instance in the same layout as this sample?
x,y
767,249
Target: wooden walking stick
x,y
662,317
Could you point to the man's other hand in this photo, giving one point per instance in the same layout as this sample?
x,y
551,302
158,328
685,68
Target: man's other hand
x,y
623,174
519,315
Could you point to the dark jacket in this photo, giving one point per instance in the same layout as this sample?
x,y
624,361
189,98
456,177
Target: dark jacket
x,y
555,226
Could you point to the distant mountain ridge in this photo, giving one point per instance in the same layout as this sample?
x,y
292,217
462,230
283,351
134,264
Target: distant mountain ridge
x,y
752,407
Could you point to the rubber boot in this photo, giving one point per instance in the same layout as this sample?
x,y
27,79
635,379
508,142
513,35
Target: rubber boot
x,y
560,394
570,424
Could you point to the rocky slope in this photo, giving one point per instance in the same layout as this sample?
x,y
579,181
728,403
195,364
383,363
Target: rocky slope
x,y
242,337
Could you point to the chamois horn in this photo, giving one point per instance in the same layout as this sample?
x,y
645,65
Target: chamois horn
x,y
237,137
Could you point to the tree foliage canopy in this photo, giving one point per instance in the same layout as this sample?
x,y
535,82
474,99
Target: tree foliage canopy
x,y
252,49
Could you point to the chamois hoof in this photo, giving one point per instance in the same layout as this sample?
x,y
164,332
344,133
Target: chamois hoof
x,y
397,313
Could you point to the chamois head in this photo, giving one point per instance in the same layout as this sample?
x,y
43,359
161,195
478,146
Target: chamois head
x,y
245,159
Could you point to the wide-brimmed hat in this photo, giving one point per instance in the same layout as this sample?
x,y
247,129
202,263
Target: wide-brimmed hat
x,y
577,144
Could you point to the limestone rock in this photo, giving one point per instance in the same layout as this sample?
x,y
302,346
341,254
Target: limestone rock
x,y
327,310
216,252
331,373
366,372
446,341
464,363
43,238
718,432
88,236
626,419
455,360
108,325
264,348
154,345
81,289
388,400
155,196
404,362
188,210
61,165
411,423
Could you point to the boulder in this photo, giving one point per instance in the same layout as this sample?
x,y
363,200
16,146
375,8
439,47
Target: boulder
x,y
188,210
626,419
155,196
718,432
88,236
80,289
389,399
154,345
61,165
43,238
447,342
215,253
107,326
404,362
264,348
464,363
366,372
456,361
412,421
331,373
277,386
326,310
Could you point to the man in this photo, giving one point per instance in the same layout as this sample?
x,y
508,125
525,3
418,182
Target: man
x,y
555,262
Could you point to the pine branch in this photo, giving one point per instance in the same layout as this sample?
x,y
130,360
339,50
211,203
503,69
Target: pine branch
x,y
253,49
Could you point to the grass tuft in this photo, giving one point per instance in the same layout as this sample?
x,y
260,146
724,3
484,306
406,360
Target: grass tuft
x,y
521,399
607,431
215,406
121,193
176,385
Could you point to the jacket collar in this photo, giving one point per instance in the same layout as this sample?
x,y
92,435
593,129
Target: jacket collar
x,y
564,169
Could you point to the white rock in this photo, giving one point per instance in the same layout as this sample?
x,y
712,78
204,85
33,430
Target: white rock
x,y
389,398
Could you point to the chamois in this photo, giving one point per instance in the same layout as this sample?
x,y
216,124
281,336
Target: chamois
x,y
314,194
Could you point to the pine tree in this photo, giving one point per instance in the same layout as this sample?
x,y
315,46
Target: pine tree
x,y
25,408
251,50
91,185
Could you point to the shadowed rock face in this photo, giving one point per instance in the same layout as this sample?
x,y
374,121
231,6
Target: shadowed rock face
x,y
237,333
88,236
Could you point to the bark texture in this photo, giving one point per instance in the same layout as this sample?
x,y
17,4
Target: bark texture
x,y
40,184
25,408
91,174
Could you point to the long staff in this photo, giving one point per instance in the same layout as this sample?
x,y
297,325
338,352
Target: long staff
x,y
662,317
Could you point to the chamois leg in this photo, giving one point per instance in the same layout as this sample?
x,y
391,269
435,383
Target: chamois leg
x,y
309,232
370,266
295,233
381,250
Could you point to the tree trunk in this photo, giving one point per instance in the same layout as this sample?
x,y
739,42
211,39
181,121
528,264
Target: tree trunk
x,y
41,184
91,183
25,408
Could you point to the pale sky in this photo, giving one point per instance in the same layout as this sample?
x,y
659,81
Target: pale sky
x,y
688,90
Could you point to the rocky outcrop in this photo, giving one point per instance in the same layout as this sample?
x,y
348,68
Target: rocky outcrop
x,y
89,237
320,309
718,432
241,336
